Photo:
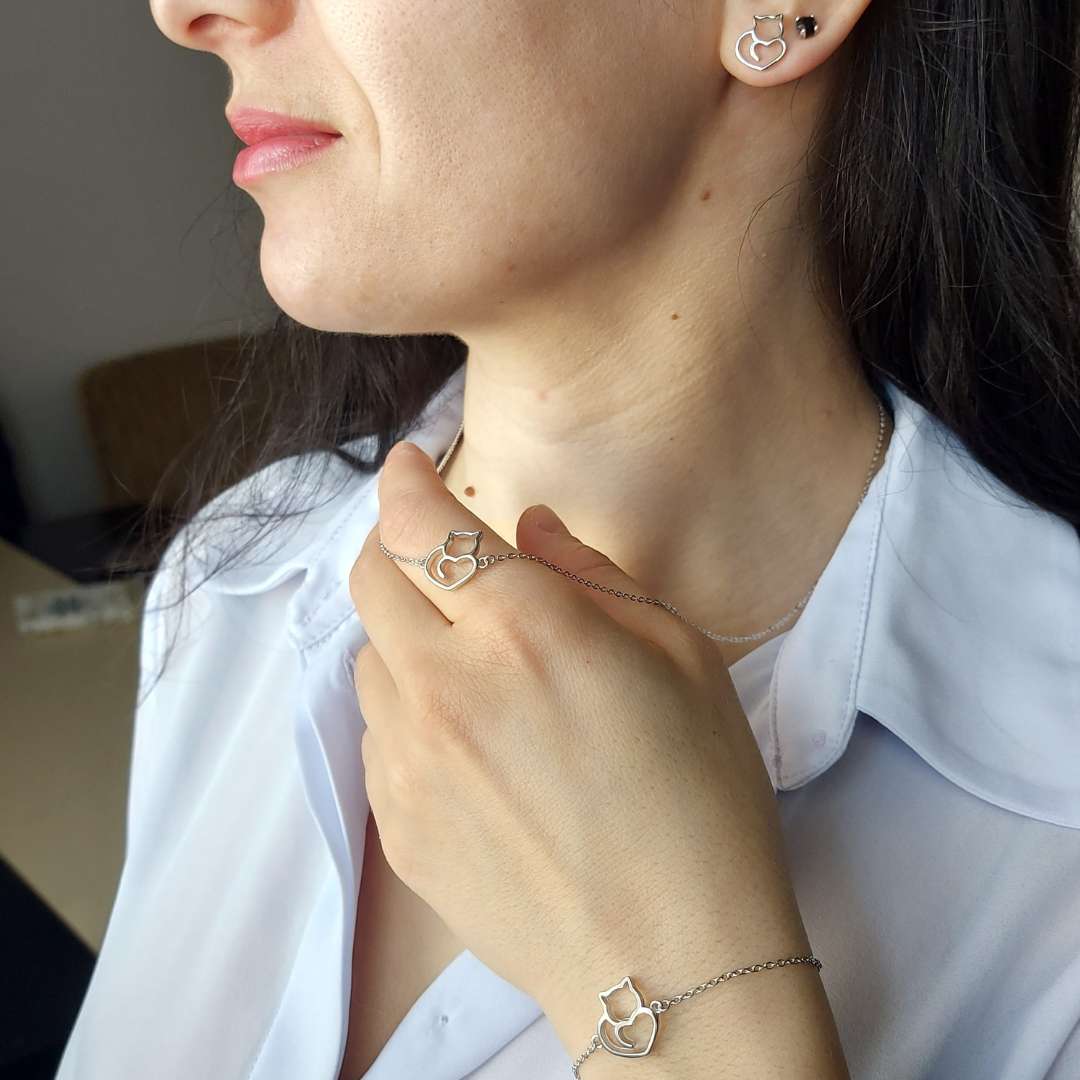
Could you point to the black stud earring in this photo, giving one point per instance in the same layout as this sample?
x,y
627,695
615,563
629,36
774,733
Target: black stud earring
x,y
806,25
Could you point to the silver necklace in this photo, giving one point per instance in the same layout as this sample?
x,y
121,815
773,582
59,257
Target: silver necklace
x,y
734,638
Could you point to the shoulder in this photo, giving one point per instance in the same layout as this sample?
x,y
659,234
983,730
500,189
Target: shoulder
x,y
303,517
259,533
306,514
270,525
223,602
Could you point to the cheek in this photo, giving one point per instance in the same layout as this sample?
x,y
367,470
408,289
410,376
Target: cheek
x,y
489,151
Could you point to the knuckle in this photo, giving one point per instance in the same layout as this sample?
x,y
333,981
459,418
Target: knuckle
x,y
689,648
510,635
590,563
504,616
402,781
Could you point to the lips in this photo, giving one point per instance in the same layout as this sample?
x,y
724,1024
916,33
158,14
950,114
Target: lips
x,y
256,125
275,142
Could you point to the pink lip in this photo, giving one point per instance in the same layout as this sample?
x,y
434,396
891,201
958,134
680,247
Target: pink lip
x,y
276,155
275,142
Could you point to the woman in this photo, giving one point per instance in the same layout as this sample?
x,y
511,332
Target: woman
x,y
777,312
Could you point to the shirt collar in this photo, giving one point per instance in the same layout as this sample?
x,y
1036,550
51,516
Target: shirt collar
x,y
949,613
339,506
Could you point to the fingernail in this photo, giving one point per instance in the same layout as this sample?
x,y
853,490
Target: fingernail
x,y
404,447
545,519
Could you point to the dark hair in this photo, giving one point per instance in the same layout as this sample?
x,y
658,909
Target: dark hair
x,y
942,191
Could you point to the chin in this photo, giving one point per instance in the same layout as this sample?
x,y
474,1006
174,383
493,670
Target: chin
x,y
305,286
315,313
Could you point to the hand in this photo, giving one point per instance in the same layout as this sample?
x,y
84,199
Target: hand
x,y
566,777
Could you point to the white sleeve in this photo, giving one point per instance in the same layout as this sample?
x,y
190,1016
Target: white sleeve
x,y
147,729
150,738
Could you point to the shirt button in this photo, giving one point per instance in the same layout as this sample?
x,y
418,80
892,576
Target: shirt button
x,y
819,738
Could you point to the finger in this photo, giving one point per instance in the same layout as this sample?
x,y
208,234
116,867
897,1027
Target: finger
x,y
376,691
542,532
419,518
403,626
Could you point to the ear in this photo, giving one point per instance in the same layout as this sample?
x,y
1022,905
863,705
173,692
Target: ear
x,y
793,55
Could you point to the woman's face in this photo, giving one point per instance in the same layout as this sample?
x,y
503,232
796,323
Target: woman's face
x,y
490,147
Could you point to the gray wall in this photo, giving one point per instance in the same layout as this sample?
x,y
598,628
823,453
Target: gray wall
x,y
120,228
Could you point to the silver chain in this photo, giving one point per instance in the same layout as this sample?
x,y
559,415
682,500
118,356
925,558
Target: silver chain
x,y
663,1004
487,560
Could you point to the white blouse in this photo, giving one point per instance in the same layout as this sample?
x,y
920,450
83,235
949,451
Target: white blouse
x,y
920,722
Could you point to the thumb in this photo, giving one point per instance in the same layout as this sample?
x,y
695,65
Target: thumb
x,y
542,532
541,519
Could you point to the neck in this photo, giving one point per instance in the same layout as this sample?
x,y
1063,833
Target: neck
x,y
725,497
687,409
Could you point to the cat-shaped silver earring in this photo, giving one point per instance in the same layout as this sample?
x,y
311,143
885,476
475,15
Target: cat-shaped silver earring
x,y
806,25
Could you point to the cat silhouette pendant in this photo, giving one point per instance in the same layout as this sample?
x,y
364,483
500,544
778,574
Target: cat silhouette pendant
x,y
622,1048
439,577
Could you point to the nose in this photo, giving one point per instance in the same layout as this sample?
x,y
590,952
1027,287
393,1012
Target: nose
x,y
209,25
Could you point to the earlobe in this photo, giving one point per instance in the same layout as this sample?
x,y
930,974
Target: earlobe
x,y
763,44
771,42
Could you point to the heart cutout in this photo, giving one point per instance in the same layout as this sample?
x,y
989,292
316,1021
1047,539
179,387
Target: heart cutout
x,y
639,1029
758,43
444,558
